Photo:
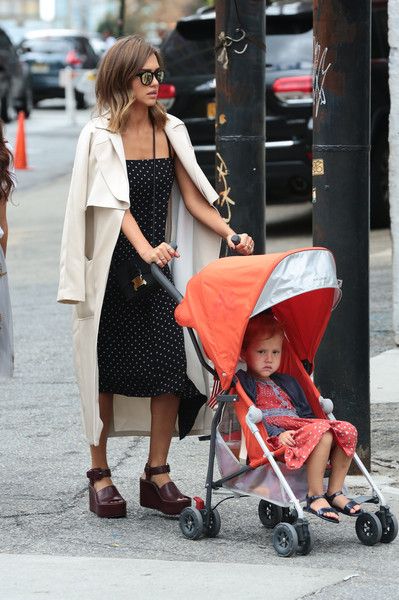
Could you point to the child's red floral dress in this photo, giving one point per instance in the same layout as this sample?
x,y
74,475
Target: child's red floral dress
x,y
279,411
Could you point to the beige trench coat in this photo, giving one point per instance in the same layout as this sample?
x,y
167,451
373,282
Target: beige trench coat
x,y
98,198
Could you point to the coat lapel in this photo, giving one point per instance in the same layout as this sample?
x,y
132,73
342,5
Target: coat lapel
x,y
110,156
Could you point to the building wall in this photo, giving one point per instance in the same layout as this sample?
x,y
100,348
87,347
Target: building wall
x,y
19,9
78,14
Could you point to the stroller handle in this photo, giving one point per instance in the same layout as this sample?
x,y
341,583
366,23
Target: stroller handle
x,y
235,239
177,296
164,282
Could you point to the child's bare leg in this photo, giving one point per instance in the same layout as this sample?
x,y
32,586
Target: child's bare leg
x,y
99,453
316,466
340,463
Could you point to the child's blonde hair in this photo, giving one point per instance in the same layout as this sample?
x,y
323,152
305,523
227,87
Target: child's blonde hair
x,y
264,324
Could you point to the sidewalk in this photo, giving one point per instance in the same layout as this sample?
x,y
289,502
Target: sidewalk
x,y
55,578
51,547
384,377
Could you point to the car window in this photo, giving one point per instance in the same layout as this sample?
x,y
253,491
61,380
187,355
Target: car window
x,y
49,45
4,41
88,49
80,45
289,24
189,50
289,51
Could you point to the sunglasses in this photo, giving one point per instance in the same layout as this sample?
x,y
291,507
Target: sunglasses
x,y
146,77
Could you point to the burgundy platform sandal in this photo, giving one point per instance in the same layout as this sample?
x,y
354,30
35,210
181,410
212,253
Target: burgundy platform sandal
x,y
106,503
167,498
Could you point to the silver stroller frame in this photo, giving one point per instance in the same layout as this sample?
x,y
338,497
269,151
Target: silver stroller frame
x,y
291,531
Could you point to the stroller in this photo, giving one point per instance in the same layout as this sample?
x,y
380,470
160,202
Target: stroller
x,y
300,287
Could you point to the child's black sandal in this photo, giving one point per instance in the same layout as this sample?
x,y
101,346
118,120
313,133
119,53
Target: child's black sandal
x,y
346,510
320,512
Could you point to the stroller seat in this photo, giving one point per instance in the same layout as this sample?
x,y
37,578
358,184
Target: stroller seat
x,y
237,448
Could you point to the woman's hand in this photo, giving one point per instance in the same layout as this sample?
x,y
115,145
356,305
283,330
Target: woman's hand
x,y
160,255
286,438
246,245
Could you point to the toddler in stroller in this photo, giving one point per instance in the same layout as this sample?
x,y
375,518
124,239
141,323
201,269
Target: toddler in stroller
x,y
290,422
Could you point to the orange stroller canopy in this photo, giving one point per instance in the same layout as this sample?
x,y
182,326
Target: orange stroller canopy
x,y
301,286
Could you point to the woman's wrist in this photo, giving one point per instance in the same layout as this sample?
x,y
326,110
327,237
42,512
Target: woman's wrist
x,y
230,232
143,248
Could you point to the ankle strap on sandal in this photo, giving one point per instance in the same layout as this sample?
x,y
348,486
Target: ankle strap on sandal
x,y
331,497
149,471
97,474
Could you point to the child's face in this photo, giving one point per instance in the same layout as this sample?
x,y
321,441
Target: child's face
x,y
263,356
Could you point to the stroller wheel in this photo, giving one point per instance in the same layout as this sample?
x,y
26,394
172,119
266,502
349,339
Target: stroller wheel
x,y
305,546
191,523
290,515
214,525
368,529
285,539
389,524
269,514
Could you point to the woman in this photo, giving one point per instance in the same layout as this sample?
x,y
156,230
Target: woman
x,y
135,183
6,332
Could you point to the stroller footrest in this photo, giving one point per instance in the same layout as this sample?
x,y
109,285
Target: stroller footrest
x,y
365,499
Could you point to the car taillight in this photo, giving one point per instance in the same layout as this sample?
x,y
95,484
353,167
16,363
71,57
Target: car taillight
x,y
294,90
166,94
72,59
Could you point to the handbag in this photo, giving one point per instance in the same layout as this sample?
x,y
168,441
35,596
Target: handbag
x,y
134,276
135,279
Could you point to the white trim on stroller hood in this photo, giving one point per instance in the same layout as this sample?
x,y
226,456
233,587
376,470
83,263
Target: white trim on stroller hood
x,y
297,274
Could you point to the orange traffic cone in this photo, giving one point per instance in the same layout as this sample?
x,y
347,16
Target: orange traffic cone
x,y
20,161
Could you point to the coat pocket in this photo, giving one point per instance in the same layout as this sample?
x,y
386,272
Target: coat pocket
x,y
86,309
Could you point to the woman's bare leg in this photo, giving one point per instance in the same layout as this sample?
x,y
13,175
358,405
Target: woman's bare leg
x,y
340,463
164,409
99,453
315,469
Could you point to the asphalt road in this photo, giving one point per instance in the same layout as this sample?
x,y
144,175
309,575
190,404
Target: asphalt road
x,y
43,457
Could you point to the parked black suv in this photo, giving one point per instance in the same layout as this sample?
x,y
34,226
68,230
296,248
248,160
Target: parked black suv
x,y
15,88
190,62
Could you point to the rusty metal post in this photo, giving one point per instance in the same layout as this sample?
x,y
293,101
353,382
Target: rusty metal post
x,y
240,115
341,154
121,18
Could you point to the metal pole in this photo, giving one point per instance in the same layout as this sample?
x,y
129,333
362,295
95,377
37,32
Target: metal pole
x,y
121,19
240,115
70,100
341,154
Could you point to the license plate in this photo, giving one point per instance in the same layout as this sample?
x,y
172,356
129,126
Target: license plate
x,y
39,68
211,110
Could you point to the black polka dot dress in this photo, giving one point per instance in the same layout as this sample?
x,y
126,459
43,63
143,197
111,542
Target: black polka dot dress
x,y
140,348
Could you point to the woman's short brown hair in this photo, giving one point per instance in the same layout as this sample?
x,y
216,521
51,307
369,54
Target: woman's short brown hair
x,y
264,324
118,67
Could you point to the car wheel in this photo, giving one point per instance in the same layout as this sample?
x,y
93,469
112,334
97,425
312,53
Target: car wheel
x,y
27,103
5,109
80,100
379,189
